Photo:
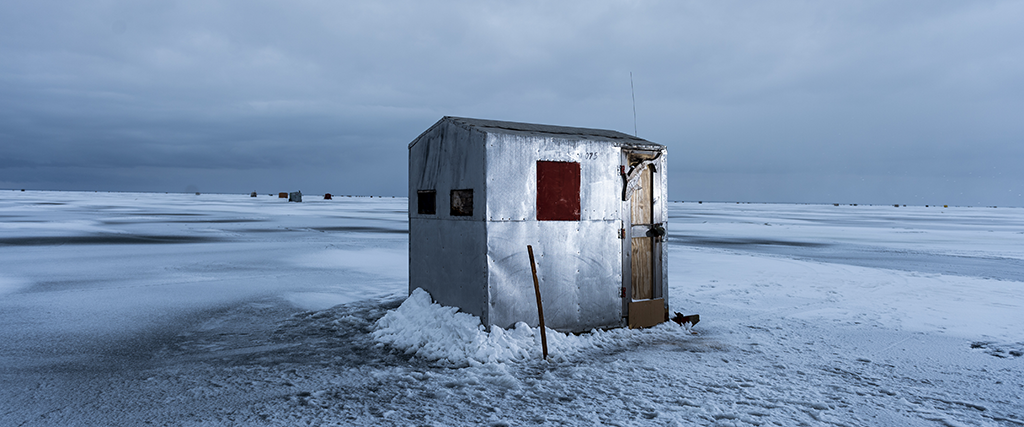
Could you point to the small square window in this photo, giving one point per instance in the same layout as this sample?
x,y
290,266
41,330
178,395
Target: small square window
x,y
426,202
462,203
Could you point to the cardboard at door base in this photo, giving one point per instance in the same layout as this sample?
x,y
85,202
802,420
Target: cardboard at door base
x,y
647,313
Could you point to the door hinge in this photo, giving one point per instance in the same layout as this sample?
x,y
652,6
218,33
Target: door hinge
x,y
623,293
622,233
622,170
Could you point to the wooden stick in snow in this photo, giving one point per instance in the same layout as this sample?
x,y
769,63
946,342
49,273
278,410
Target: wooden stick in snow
x,y
540,306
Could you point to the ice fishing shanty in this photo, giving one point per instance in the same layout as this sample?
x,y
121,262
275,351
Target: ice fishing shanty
x,y
591,202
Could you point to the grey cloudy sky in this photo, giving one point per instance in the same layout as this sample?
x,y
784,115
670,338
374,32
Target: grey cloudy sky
x,y
915,102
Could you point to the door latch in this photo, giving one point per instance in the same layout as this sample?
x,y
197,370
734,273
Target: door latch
x,y
656,231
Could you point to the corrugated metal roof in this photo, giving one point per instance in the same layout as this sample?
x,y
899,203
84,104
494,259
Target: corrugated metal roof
x,y
497,126
542,131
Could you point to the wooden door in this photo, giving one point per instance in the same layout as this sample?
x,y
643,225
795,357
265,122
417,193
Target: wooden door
x,y
646,307
641,246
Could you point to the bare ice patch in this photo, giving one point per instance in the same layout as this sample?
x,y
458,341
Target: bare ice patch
x,y
10,285
317,300
374,261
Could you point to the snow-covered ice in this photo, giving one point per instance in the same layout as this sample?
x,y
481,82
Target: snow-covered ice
x,y
132,308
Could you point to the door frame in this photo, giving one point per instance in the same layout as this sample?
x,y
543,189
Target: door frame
x,y
658,216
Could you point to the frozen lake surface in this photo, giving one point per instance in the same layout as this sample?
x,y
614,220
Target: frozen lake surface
x,y
131,308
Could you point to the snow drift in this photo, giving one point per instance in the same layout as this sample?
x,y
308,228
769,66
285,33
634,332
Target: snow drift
x,y
448,337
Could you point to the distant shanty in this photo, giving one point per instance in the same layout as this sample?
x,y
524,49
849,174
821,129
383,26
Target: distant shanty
x,y
591,202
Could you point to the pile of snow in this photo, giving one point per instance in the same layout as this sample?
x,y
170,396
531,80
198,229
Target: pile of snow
x,y
444,335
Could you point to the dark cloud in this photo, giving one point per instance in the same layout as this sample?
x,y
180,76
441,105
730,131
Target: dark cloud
x,y
866,102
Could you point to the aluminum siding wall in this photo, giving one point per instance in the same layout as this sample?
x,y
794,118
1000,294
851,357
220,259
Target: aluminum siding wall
x,y
512,176
577,261
447,255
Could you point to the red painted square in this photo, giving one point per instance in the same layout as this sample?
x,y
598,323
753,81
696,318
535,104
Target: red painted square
x,y
558,191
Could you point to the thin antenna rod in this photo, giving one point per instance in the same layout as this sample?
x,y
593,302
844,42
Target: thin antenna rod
x,y
631,92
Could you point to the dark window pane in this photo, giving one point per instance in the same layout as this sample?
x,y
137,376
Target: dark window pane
x,y
558,191
426,202
462,202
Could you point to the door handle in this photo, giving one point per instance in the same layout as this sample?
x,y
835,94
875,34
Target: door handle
x,y
656,231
